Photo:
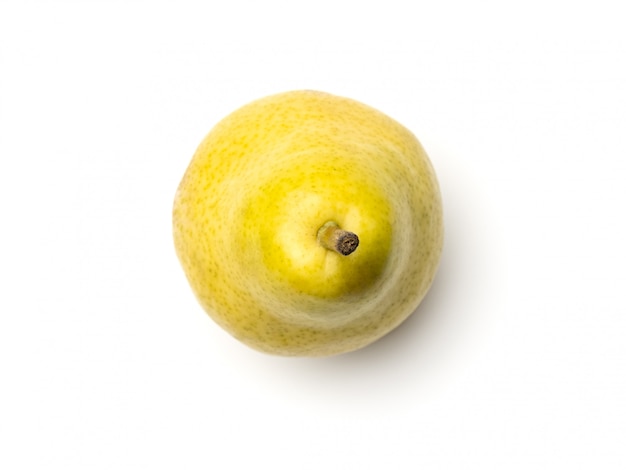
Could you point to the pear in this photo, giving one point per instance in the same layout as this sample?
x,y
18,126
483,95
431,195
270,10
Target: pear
x,y
308,224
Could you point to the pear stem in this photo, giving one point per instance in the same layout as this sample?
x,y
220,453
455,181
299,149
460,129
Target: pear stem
x,y
333,238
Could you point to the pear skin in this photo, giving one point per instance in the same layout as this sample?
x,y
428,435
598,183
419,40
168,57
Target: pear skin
x,y
274,195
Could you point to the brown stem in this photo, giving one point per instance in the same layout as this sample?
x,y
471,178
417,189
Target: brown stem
x,y
331,237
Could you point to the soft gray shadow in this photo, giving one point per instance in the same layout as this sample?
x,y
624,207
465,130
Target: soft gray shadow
x,y
454,302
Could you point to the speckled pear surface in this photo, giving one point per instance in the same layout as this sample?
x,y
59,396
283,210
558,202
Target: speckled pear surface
x,y
259,187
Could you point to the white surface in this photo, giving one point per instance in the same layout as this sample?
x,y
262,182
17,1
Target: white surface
x,y
517,358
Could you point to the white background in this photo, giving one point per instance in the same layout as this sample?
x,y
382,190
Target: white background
x,y
516,359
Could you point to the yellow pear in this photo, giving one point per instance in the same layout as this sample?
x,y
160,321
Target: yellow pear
x,y
308,224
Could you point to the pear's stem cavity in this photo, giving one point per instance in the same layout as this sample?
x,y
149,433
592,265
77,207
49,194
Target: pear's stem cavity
x,y
331,237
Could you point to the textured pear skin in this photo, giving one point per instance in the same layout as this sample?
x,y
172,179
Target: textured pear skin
x,y
259,187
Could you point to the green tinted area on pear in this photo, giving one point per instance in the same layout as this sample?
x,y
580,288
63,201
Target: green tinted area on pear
x,y
294,206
